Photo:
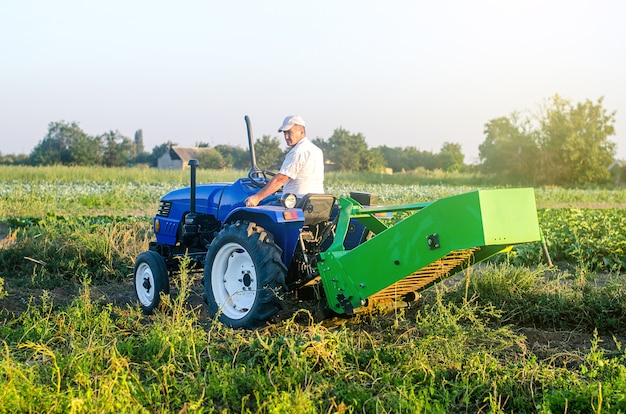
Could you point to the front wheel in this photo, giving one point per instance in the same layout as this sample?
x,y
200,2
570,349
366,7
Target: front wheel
x,y
151,279
244,276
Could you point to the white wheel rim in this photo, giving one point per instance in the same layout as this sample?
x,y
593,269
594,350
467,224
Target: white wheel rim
x,y
234,282
144,284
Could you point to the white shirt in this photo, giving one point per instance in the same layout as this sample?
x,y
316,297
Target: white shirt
x,y
304,165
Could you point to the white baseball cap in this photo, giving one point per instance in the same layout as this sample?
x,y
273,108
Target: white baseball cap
x,y
290,121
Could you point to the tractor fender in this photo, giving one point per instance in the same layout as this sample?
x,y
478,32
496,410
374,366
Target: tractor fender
x,y
283,224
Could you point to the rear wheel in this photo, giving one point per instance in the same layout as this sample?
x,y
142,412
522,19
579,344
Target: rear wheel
x,y
151,279
244,276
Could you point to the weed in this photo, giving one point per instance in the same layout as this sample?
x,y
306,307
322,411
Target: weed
x,y
531,297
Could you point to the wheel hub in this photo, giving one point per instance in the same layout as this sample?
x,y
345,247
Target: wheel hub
x,y
146,284
247,280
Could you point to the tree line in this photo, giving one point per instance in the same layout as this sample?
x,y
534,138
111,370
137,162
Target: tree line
x,y
67,144
563,143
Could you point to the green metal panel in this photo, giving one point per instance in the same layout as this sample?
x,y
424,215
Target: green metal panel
x,y
509,216
495,218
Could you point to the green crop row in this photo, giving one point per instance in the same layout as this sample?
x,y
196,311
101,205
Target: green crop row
x,y
594,238
69,191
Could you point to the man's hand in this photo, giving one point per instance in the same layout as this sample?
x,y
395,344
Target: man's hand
x,y
252,201
271,187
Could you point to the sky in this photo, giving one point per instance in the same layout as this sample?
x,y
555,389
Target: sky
x,y
402,73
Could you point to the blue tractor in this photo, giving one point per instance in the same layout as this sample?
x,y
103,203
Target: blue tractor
x,y
344,254
247,252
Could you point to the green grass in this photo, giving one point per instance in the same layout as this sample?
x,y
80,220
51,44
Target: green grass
x,y
551,299
99,174
462,348
449,356
41,252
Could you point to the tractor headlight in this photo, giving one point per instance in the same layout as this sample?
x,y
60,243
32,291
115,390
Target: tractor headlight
x,y
157,225
288,200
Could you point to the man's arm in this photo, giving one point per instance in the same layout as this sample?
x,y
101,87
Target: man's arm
x,y
270,188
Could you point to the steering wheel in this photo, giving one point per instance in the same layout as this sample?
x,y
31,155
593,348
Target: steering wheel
x,y
258,178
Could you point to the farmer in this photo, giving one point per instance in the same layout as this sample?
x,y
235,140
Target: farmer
x,y
302,171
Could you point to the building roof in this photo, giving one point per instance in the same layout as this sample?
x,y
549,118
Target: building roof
x,y
618,164
186,153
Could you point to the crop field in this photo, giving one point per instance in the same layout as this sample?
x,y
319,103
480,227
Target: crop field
x,y
510,335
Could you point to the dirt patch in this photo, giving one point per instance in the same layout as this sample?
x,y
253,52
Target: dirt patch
x,y
19,298
567,348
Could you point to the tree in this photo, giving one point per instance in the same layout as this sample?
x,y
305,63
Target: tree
x,y
14,159
569,146
409,158
420,159
574,142
394,157
55,147
268,153
234,157
321,143
509,150
375,161
117,149
348,151
85,150
138,143
211,159
450,157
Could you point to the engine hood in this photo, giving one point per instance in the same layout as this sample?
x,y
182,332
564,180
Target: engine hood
x,y
207,197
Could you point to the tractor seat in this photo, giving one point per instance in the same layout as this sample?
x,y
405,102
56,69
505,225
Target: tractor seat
x,y
316,208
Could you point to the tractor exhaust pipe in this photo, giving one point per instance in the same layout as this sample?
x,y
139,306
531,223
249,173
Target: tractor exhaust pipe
x,y
193,164
253,166
190,226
